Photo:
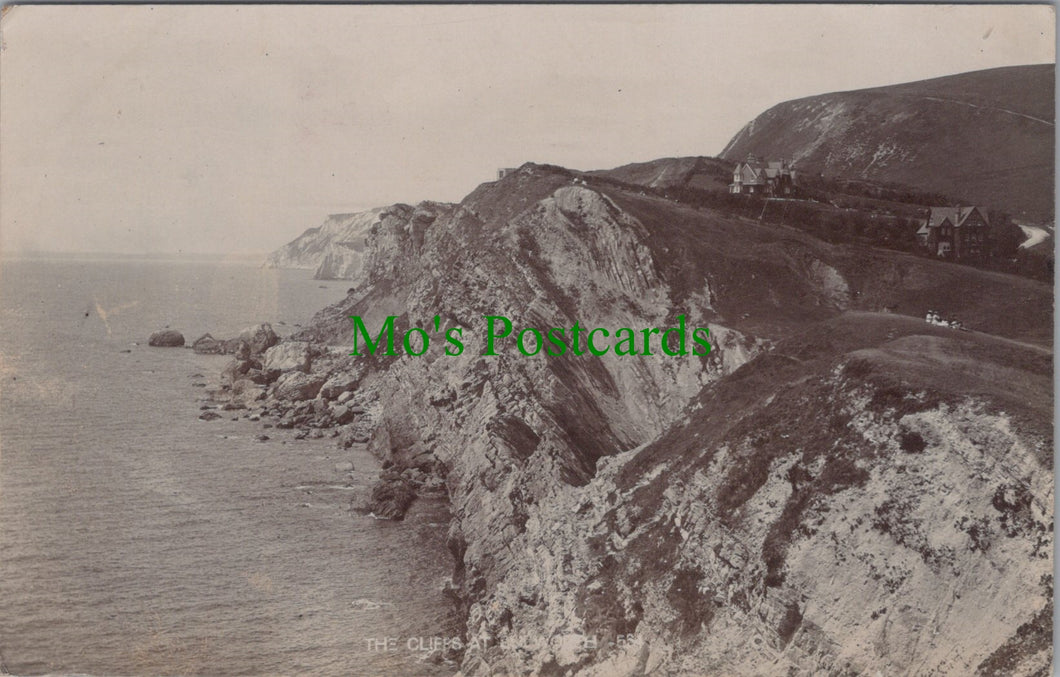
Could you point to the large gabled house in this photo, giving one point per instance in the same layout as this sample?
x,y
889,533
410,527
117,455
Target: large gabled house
x,y
955,232
757,177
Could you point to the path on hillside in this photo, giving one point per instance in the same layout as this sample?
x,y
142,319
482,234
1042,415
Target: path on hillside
x,y
1035,236
1002,110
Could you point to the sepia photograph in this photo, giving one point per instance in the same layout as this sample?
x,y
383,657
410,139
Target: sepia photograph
x,y
437,340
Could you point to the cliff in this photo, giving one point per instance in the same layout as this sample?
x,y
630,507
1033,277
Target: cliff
x,y
984,137
334,249
837,487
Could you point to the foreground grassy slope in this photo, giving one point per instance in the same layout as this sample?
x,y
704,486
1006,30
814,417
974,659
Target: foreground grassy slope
x,y
899,354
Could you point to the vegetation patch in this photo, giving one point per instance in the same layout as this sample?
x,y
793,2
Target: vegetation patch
x,y
694,610
790,623
604,607
1031,638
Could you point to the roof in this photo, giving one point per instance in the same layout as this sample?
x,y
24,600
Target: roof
x,y
955,215
750,173
754,171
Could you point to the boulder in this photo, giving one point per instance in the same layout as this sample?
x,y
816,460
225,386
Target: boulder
x,y
167,338
238,347
259,338
257,376
338,385
352,436
289,356
341,414
296,385
238,369
209,416
208,345
391,498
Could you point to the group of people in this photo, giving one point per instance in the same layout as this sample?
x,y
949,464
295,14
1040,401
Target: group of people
x,y
935,318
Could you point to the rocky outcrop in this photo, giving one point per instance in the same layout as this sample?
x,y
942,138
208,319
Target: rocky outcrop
x,y
289,356
821,517
167,338
764,505
335,249
208,345
259,338
253,340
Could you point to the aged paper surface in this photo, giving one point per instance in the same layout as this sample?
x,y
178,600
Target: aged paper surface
x,y
526,339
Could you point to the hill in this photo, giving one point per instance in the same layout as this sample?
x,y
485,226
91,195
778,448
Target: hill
x,y
702,173
985,137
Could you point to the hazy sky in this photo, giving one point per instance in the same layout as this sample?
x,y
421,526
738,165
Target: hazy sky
x,y
232,129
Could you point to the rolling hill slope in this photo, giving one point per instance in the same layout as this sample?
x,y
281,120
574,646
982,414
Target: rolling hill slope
x,y
986,137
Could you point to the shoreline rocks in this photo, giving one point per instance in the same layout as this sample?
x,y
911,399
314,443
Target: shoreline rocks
x,y
253,340
166,338
392,496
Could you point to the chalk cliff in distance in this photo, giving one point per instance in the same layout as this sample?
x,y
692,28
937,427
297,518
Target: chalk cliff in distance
x,y
984,137
334,249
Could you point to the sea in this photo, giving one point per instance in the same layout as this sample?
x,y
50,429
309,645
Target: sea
x,y
136,539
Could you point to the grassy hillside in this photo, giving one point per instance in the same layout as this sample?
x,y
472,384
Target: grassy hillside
x,y
702,173
985,137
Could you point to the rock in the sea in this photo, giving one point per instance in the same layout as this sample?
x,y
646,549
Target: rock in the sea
x,y
344,467
208,345
209,416
391,497
167,338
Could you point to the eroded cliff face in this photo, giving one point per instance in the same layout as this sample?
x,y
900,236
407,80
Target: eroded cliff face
x,y
505,430
335,249
821,493
842,524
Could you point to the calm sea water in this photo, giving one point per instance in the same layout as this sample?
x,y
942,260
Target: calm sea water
x,y
136,539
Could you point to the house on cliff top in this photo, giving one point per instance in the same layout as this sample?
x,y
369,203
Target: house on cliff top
x,y
758,177
955,232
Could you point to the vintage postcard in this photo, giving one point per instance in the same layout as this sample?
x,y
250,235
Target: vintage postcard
x,y
586,340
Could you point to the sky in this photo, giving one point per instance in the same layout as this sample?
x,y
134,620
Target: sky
x,y
231,129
